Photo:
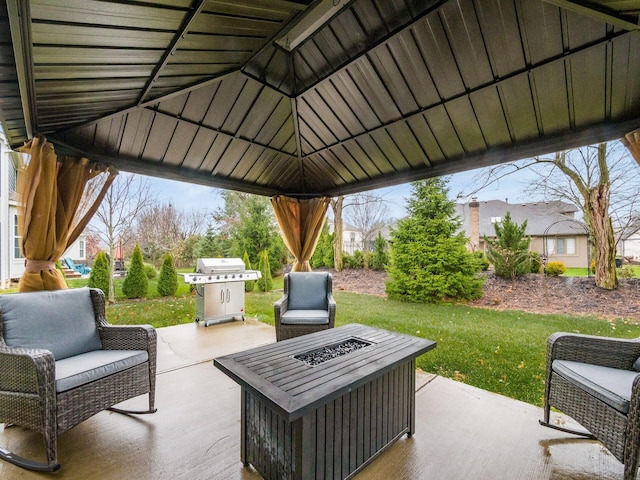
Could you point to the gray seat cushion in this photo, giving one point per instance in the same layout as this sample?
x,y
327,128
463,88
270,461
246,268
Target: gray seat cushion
x,y
305,317
81,369
308,291
611,385
61,321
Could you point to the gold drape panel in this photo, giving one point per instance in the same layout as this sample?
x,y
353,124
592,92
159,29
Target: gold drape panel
x,y
50,190
632,142
301,223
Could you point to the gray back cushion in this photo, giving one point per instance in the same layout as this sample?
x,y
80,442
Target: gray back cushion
x,y
308,291
60,321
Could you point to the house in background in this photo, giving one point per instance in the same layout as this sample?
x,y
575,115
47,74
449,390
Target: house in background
x,y
11,259
352,237
629,244
552,227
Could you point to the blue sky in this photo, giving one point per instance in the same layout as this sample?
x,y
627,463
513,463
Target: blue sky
x,y
187,197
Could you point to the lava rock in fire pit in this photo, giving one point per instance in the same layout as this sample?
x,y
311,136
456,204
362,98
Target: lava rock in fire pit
x,y
324,354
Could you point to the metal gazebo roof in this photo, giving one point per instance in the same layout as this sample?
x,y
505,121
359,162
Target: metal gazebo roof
x,y
317,98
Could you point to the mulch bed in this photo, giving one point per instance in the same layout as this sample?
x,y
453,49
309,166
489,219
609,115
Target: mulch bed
x,y
530,293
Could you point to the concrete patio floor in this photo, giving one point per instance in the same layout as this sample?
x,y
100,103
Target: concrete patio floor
x,y
461,432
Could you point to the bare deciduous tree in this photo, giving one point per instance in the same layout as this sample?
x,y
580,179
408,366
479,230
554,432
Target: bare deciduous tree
x,y
368,214
161,227
596,180
128,196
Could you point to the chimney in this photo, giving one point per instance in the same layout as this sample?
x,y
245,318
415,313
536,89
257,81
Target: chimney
x,y
474,223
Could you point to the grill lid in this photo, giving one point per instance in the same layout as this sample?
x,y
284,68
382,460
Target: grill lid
x,y
220,265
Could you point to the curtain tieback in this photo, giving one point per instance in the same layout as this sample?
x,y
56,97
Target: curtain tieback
x,y
39,265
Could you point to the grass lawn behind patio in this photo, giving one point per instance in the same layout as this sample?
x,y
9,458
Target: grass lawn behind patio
x,y
499,351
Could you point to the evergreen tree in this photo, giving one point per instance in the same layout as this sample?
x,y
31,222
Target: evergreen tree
x,y
168,280
252,228
509,251
248,284
323,254
99,276
210,245
380,256
265,284
429,261
136,283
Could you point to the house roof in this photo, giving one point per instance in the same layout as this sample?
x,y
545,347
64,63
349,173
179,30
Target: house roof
x,y
543,218
321,97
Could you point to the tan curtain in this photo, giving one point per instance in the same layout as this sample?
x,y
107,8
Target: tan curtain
x,y
50,191
632,142
301,223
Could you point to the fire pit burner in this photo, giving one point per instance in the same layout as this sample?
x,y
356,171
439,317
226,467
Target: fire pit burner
x,y
324,354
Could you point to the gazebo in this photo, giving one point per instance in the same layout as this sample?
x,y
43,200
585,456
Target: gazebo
x,y
305,100
300,100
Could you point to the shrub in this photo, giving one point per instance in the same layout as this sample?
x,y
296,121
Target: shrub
x,y
248,284
99,276
168,280
265,284
535,262
357,259
323,254
136,283
626,272
555,268
368,259
482,259
380,257
150,271
592,267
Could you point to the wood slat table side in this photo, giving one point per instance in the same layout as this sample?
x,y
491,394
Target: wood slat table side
x,y
327,383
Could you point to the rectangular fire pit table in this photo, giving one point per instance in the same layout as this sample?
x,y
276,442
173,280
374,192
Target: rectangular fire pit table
x,y
325,419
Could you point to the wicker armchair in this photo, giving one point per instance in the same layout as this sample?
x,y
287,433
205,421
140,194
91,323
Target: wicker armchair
x,y
49,383
595,380
307,305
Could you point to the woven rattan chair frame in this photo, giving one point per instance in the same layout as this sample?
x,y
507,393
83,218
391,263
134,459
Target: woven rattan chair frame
x,y
27,386
284,331
619,433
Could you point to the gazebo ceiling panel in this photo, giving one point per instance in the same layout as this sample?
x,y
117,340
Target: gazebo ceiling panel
x,y
372,94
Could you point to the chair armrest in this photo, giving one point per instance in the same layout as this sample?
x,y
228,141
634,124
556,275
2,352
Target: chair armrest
x,y
603,351
279,307
27,370
332,310
128,337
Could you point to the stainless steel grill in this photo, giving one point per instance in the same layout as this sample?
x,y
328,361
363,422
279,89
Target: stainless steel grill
x,y
220,289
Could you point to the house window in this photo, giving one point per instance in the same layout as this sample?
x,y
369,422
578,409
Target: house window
x,y
561,246
16,239
81,247
496,219
353,237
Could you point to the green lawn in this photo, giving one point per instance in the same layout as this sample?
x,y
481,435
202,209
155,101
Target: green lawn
x,y
499,351
582,272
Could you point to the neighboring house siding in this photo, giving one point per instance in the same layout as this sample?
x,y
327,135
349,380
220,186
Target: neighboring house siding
x,y
629,247
352,238
566,237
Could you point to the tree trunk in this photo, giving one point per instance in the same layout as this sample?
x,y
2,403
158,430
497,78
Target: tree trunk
x,y
598,207
336,205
